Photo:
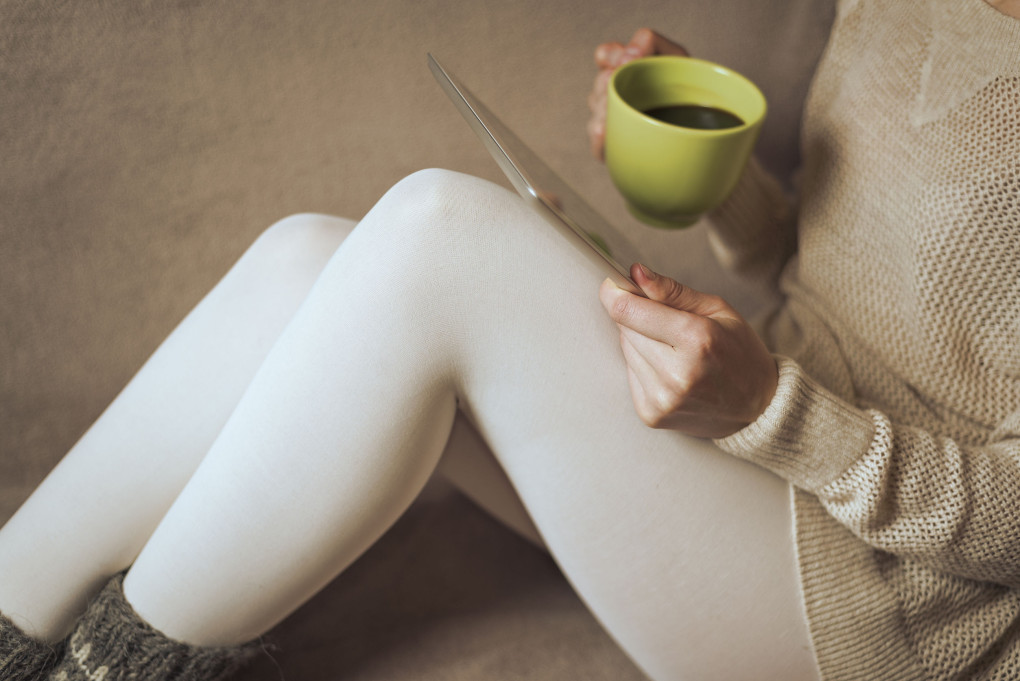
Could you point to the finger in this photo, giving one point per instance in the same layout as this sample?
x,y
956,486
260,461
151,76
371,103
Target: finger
x,y
607,55
597,96
667,291
649,42
643,40
630,53
650,318
639,396
641,375
663,45
666,372
597,122
659,357
597,137
653,403
636,351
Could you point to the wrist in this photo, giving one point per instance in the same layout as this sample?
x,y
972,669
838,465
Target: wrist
x,y
807,435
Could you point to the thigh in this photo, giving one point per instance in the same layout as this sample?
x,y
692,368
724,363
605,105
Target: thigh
x,y
451,289
102,502
684,553
470,466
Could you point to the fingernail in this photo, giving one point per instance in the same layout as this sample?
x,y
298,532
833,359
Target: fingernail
x,y
645,271
610,288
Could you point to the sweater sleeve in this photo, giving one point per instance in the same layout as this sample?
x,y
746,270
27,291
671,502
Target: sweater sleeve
x,y
902,490
753,232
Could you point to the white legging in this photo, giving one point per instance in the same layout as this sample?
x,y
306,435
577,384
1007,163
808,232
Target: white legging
x,y
302,406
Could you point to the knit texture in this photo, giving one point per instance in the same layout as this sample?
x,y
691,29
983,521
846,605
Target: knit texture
x,y
897,416
23,658
112,643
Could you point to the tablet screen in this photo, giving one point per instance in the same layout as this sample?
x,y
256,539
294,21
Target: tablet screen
x,y
541,187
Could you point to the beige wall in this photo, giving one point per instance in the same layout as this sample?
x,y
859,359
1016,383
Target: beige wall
x,y
144,145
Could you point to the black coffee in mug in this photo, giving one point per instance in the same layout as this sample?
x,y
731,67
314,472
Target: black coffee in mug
x,y
694,116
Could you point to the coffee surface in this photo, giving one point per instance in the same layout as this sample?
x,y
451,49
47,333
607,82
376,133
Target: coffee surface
x,y
694,116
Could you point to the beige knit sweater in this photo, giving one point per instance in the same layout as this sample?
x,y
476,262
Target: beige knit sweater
x,y
897,418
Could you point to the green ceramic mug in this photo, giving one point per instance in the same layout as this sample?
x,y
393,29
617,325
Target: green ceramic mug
x,y
670,174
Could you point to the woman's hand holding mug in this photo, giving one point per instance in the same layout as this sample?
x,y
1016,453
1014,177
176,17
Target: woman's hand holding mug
x,y
609,57
675,132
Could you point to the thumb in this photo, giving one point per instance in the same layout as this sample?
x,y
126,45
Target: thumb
x,y
672,293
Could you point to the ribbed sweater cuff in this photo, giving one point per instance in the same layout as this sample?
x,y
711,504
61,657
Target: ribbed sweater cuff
x,y
806,435
23,658
113,637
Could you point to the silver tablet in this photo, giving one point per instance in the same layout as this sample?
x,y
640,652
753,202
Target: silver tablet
x,y
542,188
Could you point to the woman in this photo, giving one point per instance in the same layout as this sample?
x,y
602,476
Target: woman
x,y
298,410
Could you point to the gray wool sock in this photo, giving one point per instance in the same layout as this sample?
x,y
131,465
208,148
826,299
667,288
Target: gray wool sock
x,y
23,658
112,643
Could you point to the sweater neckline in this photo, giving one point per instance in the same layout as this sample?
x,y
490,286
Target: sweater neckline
x,y
971,45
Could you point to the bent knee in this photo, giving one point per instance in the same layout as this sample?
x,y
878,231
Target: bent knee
x,y
440,185
301,241
436,192
444,205
304,231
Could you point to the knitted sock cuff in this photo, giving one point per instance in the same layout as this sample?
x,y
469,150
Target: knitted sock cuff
x,y
23,658
111,642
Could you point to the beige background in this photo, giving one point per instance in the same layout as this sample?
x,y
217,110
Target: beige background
x,y
143,145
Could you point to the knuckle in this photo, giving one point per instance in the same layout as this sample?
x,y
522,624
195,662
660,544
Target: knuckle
x,y
678,380
717,303
621,310
649,415
674,289
703,347
605,51
715,300
665,401
703,341
657,421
